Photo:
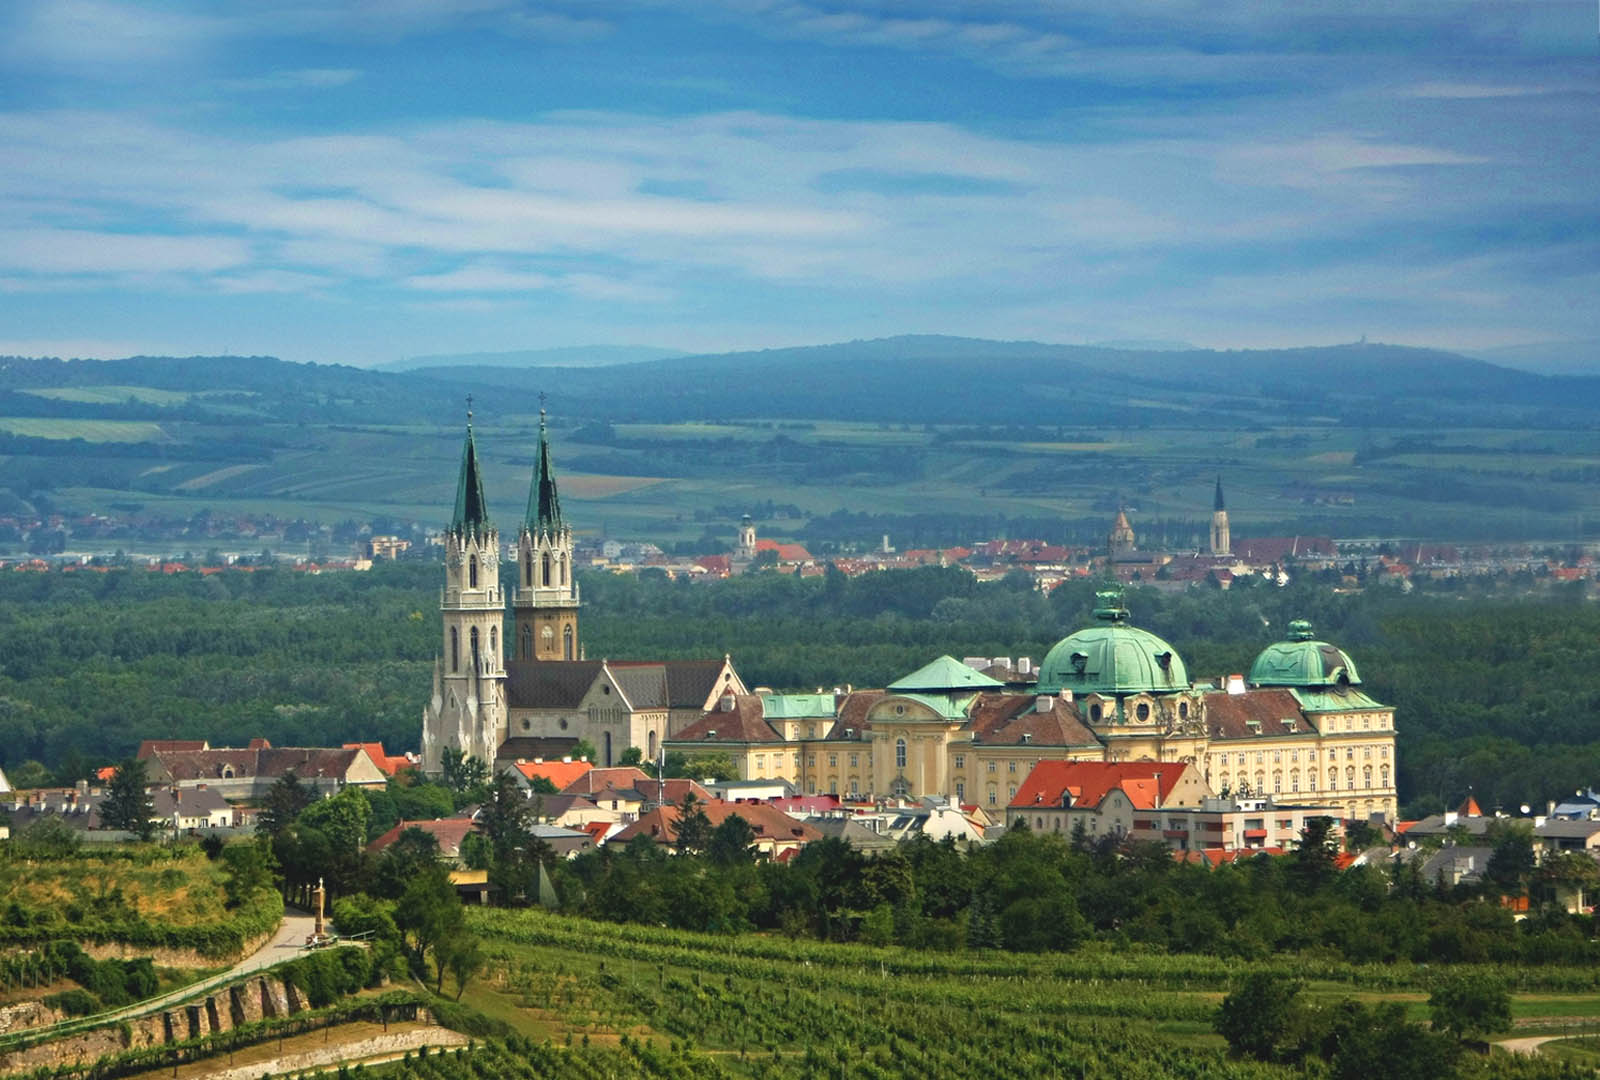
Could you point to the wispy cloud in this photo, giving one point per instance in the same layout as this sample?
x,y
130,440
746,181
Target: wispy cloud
x,y
296,79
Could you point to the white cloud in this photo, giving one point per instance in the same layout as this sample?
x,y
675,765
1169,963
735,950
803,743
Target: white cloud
x,y
296,79
78,251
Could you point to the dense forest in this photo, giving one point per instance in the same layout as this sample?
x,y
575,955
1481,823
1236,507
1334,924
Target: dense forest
x,y
1494,690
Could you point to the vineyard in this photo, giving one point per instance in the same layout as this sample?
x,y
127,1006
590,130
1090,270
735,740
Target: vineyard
x,y
592,1000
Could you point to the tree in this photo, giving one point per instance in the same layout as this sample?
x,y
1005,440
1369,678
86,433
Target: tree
x,y
730,841
285,799
694,828
462,955
505,818
1260,1017
1468,1006
342,819
1512,860
249,866
1312,865
717,764
631,756
463,775
127,803
428,912
585,750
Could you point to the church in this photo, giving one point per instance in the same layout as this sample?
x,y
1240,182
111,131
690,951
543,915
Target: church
x,y
502,695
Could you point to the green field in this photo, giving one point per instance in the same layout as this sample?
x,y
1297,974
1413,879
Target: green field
x,y
96,431
112,395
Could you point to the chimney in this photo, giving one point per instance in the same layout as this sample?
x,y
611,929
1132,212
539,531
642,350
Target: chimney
x,y
1044,703
1025,665
1235,684
567,760
1065,695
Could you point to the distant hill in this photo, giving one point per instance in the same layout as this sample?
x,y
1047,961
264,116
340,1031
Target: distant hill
x,y
565,356
1547,357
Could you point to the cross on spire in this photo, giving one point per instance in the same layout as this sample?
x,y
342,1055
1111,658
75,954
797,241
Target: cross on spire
x,y
469,410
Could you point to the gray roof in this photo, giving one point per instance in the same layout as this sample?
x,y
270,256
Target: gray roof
x,y
549,684
858,835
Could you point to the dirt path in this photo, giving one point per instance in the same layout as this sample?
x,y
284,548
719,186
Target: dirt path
x,y
361,1042
288,941
1527,1045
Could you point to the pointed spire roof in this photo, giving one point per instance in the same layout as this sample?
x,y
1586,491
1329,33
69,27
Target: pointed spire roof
x,y
544,505
472,510
1216,503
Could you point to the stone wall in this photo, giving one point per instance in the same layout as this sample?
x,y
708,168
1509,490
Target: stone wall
x,y
180,958
259,997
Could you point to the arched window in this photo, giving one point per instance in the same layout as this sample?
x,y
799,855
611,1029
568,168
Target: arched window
x,y
1333,779
527,641
455,649
1294,779
991,794
566,643
472,572
1261,782
563,570
652,746
494,640
1366,776
608,748
1277,781
473,640
545,568
1350,776
900,753
527,568
1383,775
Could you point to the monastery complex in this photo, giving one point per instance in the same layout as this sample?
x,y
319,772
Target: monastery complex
x,y
1297,731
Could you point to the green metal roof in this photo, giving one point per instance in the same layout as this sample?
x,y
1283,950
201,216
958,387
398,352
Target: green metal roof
x,y
544,507
943,675
947,706
472,510
1347,699
1112,657
1302,662
796,706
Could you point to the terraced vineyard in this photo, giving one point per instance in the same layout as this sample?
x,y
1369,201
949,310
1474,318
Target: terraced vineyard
x,y
596,1000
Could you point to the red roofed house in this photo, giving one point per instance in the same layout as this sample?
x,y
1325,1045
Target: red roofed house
x,y
448,832
388,764
776,832
1121,798
561,773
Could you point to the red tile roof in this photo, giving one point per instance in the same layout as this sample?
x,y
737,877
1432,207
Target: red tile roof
x,y
389,764
1147,783
768,823
449,832
621,776
560,773
1255,713
744,723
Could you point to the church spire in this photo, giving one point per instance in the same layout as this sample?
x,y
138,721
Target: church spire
x,y
472,510
544,506
1216,503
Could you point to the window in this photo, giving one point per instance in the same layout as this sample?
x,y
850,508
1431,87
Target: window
x,y
855,760
900,753
494,640
527,641
527,568
1294,779
455,649
1366,722
1383,775
961,761
1333,779
833,761
1277,756
797,764
652,746
855,786
811,761
544,569
1013,791
566,643
1277,781
472,572
1349,753
1183,710
1094,714
1011,766
1143,711
476,666
961,792
761,763
563,569
992,794
1366,776
811,787
991,766
833,786
1366,752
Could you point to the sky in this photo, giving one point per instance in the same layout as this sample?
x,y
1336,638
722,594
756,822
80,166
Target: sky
x,y
359,181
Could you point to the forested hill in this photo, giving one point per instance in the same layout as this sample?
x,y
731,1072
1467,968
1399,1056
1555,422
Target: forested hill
x,y
912,378
1492,693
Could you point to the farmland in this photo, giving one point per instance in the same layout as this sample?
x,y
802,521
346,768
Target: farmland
x,y
591,999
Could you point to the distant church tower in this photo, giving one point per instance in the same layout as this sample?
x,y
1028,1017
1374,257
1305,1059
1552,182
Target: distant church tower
x,y
545,601
1120,542
468,709
747,538
1220,544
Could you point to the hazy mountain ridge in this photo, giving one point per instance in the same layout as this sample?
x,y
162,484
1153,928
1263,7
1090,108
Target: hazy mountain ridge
x,y
560,356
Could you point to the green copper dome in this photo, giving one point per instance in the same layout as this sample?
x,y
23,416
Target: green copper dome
x,y
1112,657
1302,662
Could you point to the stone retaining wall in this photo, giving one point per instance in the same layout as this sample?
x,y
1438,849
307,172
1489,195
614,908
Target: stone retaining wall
x,y
259,997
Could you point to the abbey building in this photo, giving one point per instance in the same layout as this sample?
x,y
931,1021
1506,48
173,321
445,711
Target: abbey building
x,y
536,694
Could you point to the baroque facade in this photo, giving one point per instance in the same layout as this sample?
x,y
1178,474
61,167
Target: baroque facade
x,y
1299,729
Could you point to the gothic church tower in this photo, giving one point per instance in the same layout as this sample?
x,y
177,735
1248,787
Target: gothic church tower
x,y
468,708
1220,544
545,600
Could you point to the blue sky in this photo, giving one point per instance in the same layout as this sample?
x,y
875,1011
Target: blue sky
x,y
366,180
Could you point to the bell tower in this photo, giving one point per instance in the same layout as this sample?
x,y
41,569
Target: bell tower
x,y
1220,543
468,708
545,600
